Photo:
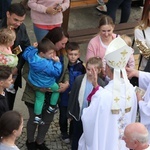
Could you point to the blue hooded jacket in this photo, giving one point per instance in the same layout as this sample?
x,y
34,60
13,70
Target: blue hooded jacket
x,y
43,72
74,71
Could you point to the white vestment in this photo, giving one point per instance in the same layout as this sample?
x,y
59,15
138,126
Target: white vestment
x,y
103,130
144,106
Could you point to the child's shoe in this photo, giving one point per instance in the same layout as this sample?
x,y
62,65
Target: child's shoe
x,y
11,89
38,120
51,110
102,7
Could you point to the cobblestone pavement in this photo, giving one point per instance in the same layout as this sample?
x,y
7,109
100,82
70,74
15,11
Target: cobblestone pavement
x,y
83,18
52,140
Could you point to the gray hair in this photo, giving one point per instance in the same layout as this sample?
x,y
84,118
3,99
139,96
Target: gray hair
x,y
142,138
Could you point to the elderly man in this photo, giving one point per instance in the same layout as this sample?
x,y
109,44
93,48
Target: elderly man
x,y
14,19
111,108
136,136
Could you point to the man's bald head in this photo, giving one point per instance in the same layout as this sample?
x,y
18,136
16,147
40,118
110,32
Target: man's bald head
x,y
136,136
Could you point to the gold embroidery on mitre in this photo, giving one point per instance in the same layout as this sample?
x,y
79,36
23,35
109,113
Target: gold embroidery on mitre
x,y
121,63
116,99
112,63
124,53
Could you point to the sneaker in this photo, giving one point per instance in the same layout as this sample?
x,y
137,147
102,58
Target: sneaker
x,y
30,146
102,8
38,120
51,110
42,146
65,138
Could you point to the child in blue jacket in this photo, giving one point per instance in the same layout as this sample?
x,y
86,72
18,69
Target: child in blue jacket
x,y
45,68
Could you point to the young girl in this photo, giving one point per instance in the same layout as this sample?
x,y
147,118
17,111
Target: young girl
x,y
11,124
81,88
7,38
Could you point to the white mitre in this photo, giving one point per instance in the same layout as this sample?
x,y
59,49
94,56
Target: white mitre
x,y
117,56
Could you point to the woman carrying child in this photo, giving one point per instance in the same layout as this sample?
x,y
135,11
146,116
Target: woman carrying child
x,y
59,39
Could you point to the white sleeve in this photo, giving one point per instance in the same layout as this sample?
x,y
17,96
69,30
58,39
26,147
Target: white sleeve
x,y
144,79
139,35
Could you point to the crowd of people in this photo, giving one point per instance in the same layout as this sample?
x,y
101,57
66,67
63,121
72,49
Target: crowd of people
x,y
97,103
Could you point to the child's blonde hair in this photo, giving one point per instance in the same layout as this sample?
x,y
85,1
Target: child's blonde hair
x,y
7,35
127,39
95,61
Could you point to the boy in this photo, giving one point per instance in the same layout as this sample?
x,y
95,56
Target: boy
x,y
45,68
5,82
75,68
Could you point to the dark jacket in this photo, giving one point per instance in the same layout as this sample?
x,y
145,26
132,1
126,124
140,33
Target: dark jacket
x,y
22,39
73,103
3,105
74,71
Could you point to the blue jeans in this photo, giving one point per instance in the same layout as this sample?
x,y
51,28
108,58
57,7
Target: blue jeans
x,y
4,6
39,33
125,6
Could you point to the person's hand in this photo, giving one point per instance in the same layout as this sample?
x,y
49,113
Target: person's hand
x,y
103,72
56,58
132,72
35,44
94,79
59,8
51,10
45,90
63,86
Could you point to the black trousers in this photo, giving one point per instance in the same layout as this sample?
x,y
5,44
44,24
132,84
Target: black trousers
x,y
65,126
77,132
11,98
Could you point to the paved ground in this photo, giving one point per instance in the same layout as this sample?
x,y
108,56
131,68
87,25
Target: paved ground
x,y
79,18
